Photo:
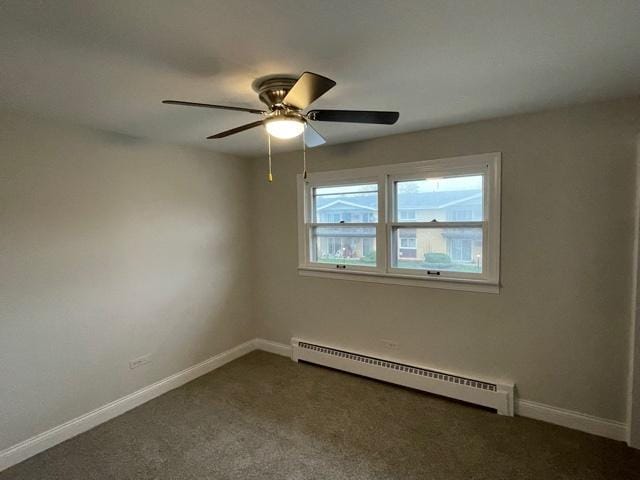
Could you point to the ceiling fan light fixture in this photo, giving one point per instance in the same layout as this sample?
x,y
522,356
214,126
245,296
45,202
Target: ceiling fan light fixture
x,y
284,127
286,99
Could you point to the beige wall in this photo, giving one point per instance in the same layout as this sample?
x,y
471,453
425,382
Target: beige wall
x,y
111,248
559,328
634,341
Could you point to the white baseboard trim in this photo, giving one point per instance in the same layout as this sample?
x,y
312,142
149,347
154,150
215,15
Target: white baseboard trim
x,y
525,408
45,440
41,442
273,347
572,419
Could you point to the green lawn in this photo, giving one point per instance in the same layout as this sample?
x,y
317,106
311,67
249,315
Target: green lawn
x,y
455,267
415,264
347,261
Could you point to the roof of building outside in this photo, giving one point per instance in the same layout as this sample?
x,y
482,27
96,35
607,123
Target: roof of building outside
x,y
416,200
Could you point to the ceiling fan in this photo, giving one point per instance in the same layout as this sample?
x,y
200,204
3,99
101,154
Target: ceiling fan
x,y
286,98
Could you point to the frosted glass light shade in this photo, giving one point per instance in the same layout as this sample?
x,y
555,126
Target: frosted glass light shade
x,y
284,128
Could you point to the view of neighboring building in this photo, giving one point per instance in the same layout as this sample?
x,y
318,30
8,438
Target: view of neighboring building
x,y
444,248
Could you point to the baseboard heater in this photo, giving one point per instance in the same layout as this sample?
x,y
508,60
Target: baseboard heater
x,y
479,392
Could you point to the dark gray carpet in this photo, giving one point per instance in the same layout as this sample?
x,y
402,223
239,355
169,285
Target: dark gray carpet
x,y
266,417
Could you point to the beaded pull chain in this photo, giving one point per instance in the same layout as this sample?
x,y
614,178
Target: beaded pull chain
x,y
304,153
269,175
304,156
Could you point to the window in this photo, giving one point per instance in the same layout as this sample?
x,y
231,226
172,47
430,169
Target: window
x,y
343,230
407,214
407,247
432,223
461,214
460,250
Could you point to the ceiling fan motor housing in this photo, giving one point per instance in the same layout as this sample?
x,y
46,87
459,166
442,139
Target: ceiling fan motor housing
x,y
272,90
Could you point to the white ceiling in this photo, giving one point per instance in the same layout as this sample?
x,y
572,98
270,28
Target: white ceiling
x,y
108,64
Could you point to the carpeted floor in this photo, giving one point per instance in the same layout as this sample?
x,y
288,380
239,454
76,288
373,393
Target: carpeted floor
x,y
266,417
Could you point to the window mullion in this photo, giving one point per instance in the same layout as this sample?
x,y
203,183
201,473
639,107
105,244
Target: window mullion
x,y
381,236
389,219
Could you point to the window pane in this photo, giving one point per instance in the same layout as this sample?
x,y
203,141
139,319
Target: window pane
x,y
443,249
346,204
345,245
449,199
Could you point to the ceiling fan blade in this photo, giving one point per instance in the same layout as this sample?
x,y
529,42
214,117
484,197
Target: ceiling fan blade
x,y
307,89
354,116
208,105
311,137
239,129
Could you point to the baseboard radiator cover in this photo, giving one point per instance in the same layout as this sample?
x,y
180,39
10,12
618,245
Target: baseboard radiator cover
x,y
480,392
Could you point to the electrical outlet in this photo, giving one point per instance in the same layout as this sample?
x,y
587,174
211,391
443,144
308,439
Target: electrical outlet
x,y
138,362
389,344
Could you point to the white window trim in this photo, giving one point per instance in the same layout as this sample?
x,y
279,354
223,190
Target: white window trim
x,y
488,164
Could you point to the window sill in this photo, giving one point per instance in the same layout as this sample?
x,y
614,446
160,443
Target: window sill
x,y
396,279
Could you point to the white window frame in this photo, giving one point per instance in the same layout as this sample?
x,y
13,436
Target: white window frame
x,y
385,176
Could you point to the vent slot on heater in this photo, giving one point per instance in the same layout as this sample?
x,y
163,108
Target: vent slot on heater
x,y
480,392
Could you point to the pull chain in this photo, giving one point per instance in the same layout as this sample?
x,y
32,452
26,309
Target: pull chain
x,y
304,153
269,176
